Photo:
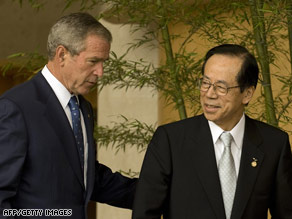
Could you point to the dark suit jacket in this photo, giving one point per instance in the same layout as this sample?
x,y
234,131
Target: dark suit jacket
x,y
180,180
39,164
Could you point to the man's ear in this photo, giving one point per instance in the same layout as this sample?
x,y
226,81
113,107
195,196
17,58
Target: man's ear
x,y
61,53
248,94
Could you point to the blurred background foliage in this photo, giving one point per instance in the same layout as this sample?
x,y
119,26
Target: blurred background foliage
x,y
262,26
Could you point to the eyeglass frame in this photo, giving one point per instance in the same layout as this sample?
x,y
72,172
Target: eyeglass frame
x,y
215,87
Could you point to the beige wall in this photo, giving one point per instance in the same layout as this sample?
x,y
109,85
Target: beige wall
x,y
24,29
134,104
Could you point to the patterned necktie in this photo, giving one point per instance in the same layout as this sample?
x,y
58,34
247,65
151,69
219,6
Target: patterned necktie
x,y
77,128
227,174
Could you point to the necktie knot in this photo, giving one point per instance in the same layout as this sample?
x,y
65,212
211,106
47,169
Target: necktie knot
x,y
226,137
73,104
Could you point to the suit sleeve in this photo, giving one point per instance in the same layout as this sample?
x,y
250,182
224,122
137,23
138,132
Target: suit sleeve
x,y
281,206
13,143
113,188
153,185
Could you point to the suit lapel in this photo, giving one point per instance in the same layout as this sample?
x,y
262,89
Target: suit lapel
x,y
248,171
87,115
57,118
205,164
202,156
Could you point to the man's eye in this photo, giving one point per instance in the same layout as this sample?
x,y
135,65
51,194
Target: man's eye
x,y
221,87
205,83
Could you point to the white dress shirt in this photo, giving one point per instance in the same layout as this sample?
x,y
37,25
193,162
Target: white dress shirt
x,y
64,96
236,144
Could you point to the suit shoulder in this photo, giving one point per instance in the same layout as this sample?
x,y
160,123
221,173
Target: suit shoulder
x,y
26,91
16,90
184,122
267,129
184,126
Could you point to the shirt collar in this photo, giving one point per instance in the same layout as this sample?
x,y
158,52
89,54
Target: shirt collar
x,y
59,89
237,132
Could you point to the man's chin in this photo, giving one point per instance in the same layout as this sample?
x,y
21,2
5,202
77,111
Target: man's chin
x,y
83,91
210,116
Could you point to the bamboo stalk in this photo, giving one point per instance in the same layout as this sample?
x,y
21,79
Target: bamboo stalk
x,y
289,20
263,58
178,98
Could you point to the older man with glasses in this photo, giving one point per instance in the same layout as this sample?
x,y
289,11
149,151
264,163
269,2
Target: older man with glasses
x,y
221,164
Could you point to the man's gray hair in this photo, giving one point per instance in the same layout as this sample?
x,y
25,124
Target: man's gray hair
x,y
71,31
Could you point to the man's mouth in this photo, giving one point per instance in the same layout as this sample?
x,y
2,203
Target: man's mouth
x,y
91,82
211,107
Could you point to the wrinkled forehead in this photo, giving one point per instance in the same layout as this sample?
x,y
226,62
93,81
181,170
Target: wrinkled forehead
x,y
222,68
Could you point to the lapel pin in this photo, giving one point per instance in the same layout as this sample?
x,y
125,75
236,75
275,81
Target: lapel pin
x,y
254,162
88,115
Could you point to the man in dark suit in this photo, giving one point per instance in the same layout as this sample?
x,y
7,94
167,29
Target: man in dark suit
x,y
221,164
47,149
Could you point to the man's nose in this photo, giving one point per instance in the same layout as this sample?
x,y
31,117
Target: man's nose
x,y
98,71
211,92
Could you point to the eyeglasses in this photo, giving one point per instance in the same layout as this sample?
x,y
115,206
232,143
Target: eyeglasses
x,y
219,88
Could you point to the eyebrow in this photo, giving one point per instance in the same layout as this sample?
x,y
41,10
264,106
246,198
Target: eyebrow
x,y
220,81
97,59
